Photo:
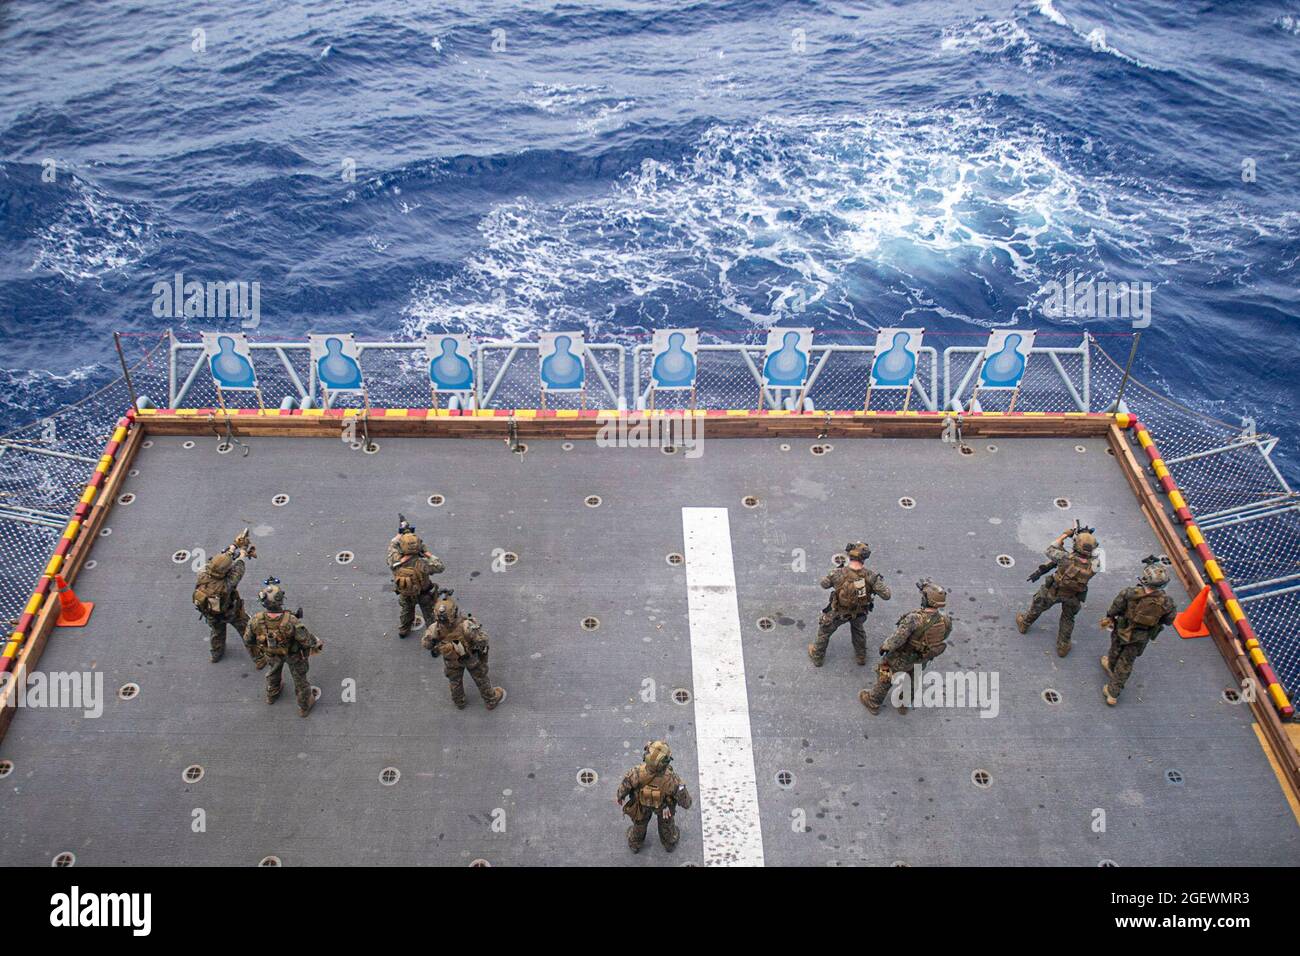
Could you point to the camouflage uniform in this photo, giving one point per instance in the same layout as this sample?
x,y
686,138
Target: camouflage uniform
x,y
1128,639
285,641
427,598
460,642
223,574
1052,592
657,792
903,650
834,615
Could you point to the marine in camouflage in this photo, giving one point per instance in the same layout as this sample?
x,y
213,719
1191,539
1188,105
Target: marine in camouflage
x,y
463,646
652,790
220,578
1134,619
850,610
908,646
1062,586
285,642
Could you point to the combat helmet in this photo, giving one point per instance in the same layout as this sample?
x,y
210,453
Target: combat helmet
x,y
857,550
932,595
272,595
1085,542
409,543
1154,576
445,610
221,565
657,755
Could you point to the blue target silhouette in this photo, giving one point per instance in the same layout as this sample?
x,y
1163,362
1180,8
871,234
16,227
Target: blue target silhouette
x,y
451,371
336,370
1005,369
229,368
562,369
674,367
788,366
897,366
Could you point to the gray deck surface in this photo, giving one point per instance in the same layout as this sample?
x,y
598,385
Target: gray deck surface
x,y
874,790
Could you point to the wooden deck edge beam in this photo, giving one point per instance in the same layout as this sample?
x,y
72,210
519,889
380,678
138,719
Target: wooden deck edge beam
x,y
1221,630
30,654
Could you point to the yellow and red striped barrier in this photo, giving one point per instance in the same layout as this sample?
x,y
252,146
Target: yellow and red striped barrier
x,y
1211,564
44,588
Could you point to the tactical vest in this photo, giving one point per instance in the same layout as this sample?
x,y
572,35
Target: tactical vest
x,y
929,638
854,594
1073,574
411,579
459,640
657,791
210,595
276,636
1145,611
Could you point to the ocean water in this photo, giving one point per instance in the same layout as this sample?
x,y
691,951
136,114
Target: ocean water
x,y
509,167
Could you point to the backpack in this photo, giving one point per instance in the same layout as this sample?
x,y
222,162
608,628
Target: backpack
x,y
411,579
274,635
656,791
854,595
1073,574
930,640
1145,610
210,595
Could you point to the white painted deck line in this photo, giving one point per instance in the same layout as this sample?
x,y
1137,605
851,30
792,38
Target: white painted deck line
x,y
733,835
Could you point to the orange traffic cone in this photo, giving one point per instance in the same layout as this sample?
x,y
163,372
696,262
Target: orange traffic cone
x,y
1191,622
73,612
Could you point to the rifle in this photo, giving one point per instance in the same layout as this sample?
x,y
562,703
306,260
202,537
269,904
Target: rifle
x,y
244,543
1046,566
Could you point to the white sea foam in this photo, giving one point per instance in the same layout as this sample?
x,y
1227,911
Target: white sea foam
x,y
993,37
758,220
1095,37
92,237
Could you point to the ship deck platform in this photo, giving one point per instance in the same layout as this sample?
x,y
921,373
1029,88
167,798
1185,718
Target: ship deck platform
x,y
707,653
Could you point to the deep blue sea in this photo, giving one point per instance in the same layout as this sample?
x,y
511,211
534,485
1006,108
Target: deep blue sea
x,y
617,166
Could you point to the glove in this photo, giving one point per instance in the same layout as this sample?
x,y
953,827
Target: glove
x,y
1107,624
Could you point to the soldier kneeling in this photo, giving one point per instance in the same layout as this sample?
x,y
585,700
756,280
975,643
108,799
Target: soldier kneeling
x,y
655,791
921,636
462,645
284,639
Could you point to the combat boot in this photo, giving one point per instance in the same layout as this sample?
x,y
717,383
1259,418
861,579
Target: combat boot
x,y
861,659
402,633
812,656
304,711
865,699
215,656
1022,625
1105,664
1105,692
499,695
1063,650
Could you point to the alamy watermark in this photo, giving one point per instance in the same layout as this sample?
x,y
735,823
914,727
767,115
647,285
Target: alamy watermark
x,y
1082,297
191,299
76,690
934,688
653,431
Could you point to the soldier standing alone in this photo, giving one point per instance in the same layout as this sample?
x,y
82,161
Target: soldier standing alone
x,y
460,642
853,595
920,637
284,640
1067,585
654,790
412,568
1135,617
216,596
